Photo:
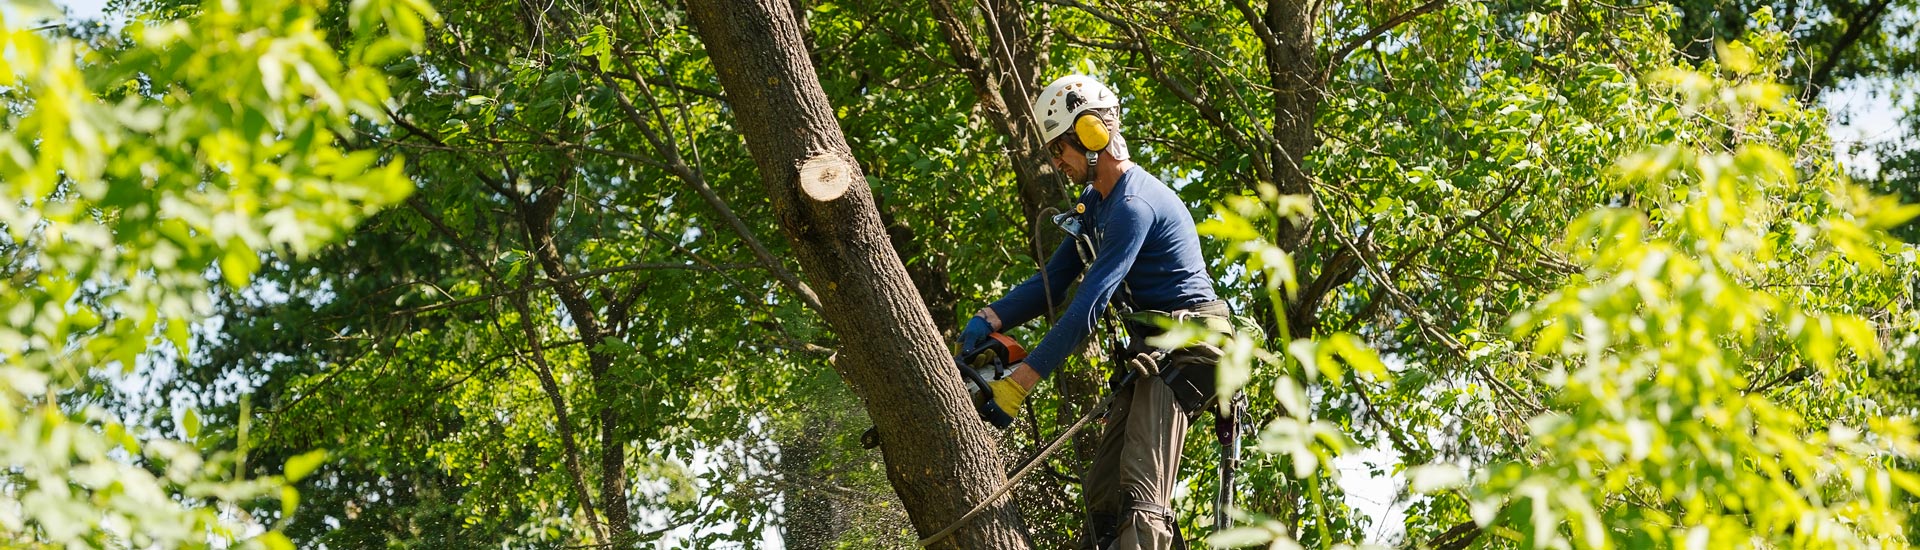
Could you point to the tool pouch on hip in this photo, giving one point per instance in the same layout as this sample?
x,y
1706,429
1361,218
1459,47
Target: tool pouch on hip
x,y
1193,375
1192,372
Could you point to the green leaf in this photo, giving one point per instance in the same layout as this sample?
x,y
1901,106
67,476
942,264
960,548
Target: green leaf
x,y
1764,162
1737,57
1292,396
1889,214
190,423
289,501
237,265
299,466
1358,356
275,540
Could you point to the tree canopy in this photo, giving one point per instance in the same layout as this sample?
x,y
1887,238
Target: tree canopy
x,y
527,275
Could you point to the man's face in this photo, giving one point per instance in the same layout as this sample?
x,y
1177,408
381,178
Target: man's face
x,y
1068,159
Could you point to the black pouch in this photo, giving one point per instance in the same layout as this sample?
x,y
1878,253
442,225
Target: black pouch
x,y
1193,371
1193,374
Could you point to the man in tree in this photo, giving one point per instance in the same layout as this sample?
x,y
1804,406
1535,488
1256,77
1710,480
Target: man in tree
x,y
1135,243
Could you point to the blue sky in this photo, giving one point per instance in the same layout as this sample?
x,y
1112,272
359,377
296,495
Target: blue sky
x,y
84,8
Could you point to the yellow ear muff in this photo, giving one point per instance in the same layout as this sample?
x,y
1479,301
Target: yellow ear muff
x,y
1092,133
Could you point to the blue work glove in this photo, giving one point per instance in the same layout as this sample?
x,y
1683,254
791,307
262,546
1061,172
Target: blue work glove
x,y
975,335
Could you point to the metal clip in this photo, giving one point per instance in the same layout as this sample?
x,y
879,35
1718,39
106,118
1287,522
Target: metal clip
x,y
1070,222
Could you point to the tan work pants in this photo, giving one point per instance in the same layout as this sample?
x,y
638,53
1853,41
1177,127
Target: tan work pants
x,y
1137,462
1135,467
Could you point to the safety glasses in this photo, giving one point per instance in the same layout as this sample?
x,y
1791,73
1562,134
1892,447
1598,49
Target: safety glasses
x,y
1057,147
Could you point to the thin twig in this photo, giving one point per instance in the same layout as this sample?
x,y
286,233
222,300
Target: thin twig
x,y
1340,56
544,283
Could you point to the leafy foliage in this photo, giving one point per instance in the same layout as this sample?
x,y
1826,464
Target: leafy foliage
x,y
1674,413
133,170
1619,291
1672,433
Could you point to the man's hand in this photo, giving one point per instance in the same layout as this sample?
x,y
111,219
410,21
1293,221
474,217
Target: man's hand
x,y
1009,394
975,335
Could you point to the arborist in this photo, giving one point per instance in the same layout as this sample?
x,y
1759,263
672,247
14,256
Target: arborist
x,y
1133,243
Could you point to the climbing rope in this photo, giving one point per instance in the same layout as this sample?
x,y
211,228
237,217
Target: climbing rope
x,y
1026,468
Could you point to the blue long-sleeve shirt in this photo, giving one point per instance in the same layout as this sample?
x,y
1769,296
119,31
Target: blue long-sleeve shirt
x,y
1144,237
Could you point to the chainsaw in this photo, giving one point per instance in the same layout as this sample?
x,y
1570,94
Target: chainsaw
x,y
978,368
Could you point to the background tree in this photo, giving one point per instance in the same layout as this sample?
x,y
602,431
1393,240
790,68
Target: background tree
x,y
592,368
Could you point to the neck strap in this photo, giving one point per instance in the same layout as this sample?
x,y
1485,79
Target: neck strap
x,y
1093,161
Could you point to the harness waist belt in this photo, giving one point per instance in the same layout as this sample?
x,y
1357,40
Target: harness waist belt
x,y
1215,308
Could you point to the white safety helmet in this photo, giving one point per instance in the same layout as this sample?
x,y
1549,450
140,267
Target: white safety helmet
x,y
1061,102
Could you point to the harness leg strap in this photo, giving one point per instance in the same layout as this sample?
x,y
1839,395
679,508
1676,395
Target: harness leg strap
x,y
1164,515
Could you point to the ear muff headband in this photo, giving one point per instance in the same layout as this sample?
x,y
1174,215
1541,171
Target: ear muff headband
x,y
1092,132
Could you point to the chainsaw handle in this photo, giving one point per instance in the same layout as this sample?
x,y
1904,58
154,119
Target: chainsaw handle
x,y
973,376
985,405
988,411
1003,348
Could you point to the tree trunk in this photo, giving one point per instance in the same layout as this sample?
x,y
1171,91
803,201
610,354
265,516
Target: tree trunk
x,y
929,275
538,214
1294,70
940,457
1008,102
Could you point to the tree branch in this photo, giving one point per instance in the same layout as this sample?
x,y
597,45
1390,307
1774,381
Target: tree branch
x,y
1424,323
1157,70
542,284
713,200
494,184
563,424
419,207
795,343
1794,375
1459,537
1259,24
1823,76
1340,56
630,77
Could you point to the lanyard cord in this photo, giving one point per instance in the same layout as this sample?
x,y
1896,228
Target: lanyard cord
x,y
1046,288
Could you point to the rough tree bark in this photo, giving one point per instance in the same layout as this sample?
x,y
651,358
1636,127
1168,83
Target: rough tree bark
x,y
940,457
1293,69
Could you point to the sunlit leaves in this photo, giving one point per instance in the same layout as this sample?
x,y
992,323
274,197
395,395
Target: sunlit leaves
x,y
1457,151
1664,430
298,467
132,171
